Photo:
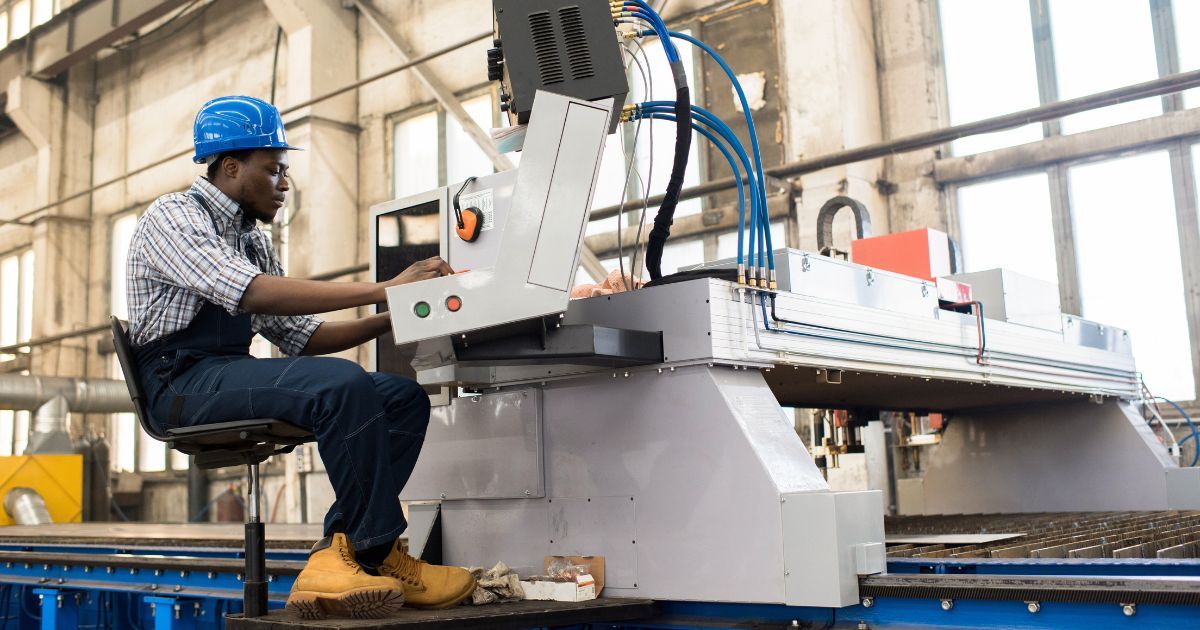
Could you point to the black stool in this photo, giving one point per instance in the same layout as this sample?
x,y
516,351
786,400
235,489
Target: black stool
x,y
245,442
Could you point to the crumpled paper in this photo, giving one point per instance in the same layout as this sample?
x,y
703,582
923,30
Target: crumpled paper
x,y
608,286
497,584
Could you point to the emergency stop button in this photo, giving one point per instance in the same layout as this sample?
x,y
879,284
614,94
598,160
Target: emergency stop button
x,y
421,309
453,303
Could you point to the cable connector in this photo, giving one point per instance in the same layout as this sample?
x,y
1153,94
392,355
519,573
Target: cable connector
x,y
741,273
629,35
773,285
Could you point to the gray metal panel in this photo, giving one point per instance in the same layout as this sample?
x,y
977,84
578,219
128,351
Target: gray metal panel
x,y
850,526
561,233
1081,332
576,523
499,294
1049,458
1183,488
702,456
1014,298
482,447
495,189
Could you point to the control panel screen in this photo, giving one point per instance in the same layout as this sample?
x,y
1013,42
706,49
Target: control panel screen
x,y
403,237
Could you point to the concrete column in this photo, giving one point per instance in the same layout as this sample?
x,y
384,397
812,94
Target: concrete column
x,y
832,97
52,118
321,56
35,106
913,88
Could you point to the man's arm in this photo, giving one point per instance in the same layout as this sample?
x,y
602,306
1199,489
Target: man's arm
x,y
276,295
332,337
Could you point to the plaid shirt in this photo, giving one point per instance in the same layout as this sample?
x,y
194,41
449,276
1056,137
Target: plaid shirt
x,y
182,254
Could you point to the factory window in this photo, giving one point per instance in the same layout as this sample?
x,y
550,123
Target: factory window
x,y
43,10
1187,39
1096,51
132,448
431,149
20,19
16,299
1066,221
981,83
3,29
994,217
1078,49
16,326
1147,299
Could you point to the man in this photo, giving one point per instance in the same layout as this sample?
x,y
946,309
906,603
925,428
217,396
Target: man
x,y
202,280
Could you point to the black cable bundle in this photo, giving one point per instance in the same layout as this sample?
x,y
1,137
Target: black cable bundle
x,y
683,144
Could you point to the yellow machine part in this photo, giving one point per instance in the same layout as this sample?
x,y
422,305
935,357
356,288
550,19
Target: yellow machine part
x,y
58,478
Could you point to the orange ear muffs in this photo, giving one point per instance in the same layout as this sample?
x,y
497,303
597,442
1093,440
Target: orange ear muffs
x,y
469,226
467,223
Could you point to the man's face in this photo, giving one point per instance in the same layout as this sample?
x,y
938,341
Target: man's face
x,y
260,183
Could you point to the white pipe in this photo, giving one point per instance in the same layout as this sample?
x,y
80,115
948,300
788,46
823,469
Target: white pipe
x,y
82,395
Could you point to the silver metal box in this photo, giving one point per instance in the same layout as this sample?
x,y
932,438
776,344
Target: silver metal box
x,y
1008,296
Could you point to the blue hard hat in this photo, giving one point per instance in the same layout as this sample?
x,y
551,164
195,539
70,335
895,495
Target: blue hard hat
x,y
234,123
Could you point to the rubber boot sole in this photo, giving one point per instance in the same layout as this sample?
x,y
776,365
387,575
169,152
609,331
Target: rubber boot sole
x,y
363,603
452,602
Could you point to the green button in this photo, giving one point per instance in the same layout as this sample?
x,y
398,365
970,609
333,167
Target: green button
x,y
421,309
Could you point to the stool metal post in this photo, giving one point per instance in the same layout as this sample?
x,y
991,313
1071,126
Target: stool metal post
x,y
255,587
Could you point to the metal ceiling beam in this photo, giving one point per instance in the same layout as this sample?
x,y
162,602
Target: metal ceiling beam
x,y
75,34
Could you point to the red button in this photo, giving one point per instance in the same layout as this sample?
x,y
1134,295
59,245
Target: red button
x,y
453,303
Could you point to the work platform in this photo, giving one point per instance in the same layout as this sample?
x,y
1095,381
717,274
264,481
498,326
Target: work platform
x,y
503,616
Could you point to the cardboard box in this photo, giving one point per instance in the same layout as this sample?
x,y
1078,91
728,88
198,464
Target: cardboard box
x,y
594,564
581,588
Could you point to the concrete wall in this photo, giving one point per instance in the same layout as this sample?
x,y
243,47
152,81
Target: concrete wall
x,y
852,72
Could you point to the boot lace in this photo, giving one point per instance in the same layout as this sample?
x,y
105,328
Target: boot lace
x,y
408,569
347,555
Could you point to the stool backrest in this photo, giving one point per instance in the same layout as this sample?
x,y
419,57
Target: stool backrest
x,y
133,378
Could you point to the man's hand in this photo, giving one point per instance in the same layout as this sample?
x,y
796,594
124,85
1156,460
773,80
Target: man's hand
x,y
422,270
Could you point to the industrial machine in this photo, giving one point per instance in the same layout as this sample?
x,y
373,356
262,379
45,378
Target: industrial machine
x,y
650,427
654,427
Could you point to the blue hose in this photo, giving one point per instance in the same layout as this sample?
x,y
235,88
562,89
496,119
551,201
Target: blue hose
x,y
661,107
732,164
759,222
737,86
1195,435
644,11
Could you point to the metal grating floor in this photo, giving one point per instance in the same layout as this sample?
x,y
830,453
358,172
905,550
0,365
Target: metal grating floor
x,y
1056,535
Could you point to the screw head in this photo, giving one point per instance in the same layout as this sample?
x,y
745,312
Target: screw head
x,y
1033,607
1129,609
947,604
868,602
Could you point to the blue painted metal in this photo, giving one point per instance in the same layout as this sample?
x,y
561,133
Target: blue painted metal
x,y
141,599
60,608
909,613
174,613
1131,567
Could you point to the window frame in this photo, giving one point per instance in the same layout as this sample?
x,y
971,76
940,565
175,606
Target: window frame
x,y
398,118
1183,172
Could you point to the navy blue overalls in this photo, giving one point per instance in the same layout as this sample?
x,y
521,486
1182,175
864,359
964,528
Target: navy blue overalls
x,y
369,426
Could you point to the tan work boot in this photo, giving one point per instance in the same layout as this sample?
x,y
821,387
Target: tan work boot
x,y
333,583
427,585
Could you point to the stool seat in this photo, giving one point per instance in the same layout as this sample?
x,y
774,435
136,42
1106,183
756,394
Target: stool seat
x,y
240,442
